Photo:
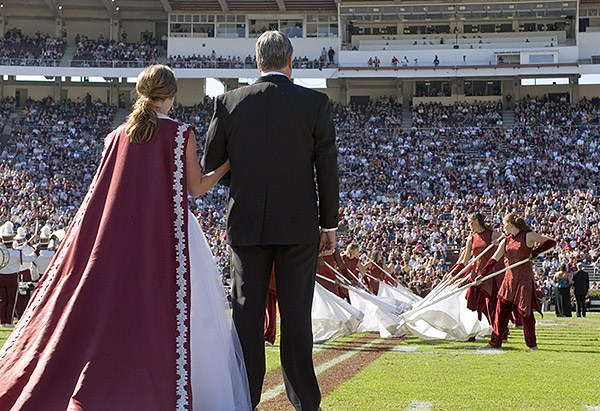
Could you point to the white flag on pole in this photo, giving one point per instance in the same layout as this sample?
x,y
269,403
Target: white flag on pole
x,y
381,316
332,316
449,319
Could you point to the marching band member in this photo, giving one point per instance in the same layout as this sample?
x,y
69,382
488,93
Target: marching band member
x,y
9,282
45,254
36,268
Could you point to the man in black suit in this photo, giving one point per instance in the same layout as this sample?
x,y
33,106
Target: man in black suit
x,y
581,284
276,134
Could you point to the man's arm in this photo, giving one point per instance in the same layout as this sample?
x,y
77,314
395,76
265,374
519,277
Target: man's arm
x,y
215,148
327,167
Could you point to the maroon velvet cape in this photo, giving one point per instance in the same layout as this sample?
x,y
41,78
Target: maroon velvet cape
x,y
107,328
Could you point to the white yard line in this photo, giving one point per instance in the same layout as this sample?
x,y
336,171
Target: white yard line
x,y
279,389
419,406
592,407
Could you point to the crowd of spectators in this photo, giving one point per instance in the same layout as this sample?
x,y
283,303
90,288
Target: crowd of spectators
x,y
437,115
112,53
404,190
7,105
237,62
50,160
212,61
37,50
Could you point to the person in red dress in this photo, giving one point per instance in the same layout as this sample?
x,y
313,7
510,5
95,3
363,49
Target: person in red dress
x,y
375,269
334,260
354,269
483,298
518,287
123,318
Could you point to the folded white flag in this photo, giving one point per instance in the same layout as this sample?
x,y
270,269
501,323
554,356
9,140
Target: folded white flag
x,y
332,316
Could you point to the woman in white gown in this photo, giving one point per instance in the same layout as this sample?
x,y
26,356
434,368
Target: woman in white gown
x,y
130,314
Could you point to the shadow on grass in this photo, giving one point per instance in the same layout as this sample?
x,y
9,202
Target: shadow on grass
x,y
594,352
358,345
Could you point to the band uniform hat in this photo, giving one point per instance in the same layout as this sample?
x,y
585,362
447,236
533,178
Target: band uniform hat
x,y
20,234
45,234
7,231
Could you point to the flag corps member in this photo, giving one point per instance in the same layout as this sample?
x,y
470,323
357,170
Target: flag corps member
x,y
482,299
517,288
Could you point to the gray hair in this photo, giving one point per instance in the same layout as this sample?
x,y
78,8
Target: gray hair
x,y
273,50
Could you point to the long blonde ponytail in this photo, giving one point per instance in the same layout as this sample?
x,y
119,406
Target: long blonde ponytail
x,y
155,83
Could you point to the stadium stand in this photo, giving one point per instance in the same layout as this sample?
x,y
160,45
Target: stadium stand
x,y
404,191
38,50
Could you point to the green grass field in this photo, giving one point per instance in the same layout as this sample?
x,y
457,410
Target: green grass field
x,y
4,333
562,374
435,375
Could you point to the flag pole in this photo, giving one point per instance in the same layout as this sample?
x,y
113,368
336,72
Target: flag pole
x,y
381,268
471,284
451,281
339,274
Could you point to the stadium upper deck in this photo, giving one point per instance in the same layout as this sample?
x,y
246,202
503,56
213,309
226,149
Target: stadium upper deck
x,y
411,44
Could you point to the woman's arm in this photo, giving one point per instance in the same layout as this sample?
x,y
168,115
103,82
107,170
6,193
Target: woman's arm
x,y
495,235
338,260
546,243
533,238
465,256
361,268
197,183
499,251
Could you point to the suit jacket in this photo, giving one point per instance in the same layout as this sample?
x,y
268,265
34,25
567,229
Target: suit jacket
x,y
277,135
581,282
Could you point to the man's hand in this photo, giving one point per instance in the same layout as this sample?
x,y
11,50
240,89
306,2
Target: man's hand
x,y
326,252
327,242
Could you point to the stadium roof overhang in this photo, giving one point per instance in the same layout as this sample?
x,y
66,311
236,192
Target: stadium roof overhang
x,y
359,10
139,9
395,11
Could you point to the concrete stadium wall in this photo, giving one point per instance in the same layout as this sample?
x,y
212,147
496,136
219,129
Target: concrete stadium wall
x,y
448,101
91,28
373,93
75,92
35,92
589,90
588,45
69,90
29,26
539,91
335,93
446,57
190,91
134,29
